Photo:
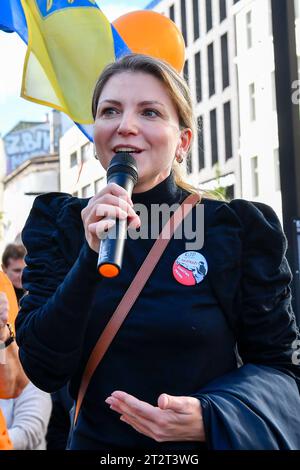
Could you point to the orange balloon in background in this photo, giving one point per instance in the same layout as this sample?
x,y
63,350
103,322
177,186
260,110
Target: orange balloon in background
x,y
148,32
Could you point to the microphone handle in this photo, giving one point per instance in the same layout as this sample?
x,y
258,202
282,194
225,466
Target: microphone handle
x,y
112,246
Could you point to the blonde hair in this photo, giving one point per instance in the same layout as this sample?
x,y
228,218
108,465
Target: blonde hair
x,y
178,91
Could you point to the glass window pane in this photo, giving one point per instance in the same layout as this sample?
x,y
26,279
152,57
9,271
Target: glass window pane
x,y
198,77
213,136
211,69
85,152
227,130
73,159
225,61
196,19
208,15
222,8
254,174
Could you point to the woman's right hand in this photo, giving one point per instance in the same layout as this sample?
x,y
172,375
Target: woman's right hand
x,y
102,210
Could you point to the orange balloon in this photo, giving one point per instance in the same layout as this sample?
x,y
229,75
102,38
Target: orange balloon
x,y
148,32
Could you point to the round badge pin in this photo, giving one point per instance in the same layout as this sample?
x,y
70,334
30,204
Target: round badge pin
x,y
190,268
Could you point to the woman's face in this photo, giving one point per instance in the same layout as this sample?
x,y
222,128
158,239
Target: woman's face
x,y
135,113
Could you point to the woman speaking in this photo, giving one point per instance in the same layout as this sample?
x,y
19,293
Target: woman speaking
x,y
205,358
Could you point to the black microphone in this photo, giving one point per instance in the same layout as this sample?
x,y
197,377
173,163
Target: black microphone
x,y
122,170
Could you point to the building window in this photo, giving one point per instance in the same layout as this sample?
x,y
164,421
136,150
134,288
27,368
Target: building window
x,y
211,69
172,13
186,71
200,142
277,170
198,77
73,159
273,84
225,60
213,137
249,29
254,176
183,21
87,190
208,15
98,185
75,194
252,107
85,152
196,19
227,130
222,7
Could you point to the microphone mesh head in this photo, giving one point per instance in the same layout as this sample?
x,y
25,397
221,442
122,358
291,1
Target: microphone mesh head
x,y
124,162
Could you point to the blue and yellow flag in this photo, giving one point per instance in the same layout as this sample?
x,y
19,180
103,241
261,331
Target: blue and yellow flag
x,y
12,18
69,43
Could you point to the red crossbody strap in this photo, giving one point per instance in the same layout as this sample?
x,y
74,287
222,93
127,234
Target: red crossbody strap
x,y
132,294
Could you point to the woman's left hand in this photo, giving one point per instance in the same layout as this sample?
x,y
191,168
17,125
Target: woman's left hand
x,y
174,419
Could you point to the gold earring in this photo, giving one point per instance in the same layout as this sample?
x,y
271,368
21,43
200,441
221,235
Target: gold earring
x,y
179,158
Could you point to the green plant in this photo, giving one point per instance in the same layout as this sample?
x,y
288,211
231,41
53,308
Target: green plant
x,y
220,192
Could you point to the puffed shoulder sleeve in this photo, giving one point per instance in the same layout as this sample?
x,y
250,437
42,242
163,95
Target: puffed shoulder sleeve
x,y
257,405
266,326
60,278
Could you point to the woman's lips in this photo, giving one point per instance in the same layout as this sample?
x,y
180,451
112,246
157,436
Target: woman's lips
x,y
127,149
132,152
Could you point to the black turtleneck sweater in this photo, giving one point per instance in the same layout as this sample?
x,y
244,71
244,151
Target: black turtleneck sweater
x,y
176,338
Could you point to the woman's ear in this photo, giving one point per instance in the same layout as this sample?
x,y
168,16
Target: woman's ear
x,y
185,140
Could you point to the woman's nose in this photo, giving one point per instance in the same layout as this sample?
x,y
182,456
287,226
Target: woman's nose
x,y
128,124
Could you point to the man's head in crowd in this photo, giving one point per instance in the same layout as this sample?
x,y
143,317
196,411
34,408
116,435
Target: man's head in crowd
x,y
13,263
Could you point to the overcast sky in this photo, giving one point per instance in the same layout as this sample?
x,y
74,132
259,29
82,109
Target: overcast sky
x,y
12,53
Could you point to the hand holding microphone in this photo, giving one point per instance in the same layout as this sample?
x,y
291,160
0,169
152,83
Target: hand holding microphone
x,y
112,205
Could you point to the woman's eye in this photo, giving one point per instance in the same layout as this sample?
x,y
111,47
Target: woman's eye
x,y
108,112
151,112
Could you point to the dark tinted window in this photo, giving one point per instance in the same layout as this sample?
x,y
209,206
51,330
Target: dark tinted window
x,y
208,15
172,13
227,130
225,64
196,19
186,70
211,69
213,136
198,77
222,7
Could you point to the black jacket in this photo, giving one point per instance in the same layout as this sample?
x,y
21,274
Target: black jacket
x,y
177,339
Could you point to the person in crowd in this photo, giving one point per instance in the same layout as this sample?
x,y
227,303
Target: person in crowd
x,y
13,264
206,361
26,415
12,377
27,418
